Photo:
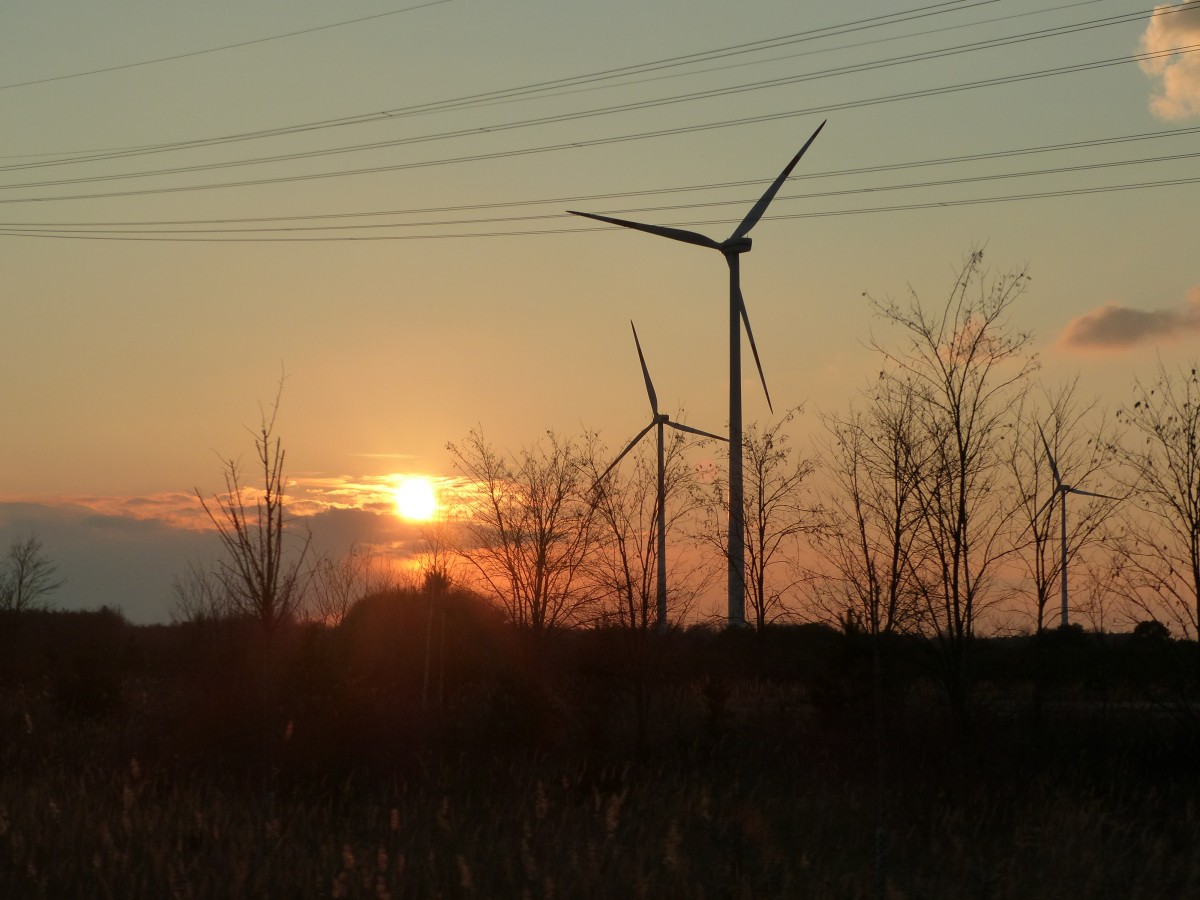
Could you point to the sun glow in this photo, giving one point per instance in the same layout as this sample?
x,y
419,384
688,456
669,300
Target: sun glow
x,y
416,498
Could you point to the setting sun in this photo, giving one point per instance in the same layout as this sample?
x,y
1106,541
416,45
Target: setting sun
x,y
416,498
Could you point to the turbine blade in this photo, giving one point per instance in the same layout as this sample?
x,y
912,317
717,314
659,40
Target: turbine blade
x,y
679,426
1084,493
756,212
754,347
645,372
1050,456
641,434
1046,505
675,234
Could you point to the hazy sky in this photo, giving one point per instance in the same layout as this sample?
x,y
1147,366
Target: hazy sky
x,y
196,196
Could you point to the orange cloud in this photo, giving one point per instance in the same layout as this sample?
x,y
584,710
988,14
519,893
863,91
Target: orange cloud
x,y
307,495
1116,327
173,509
1174,27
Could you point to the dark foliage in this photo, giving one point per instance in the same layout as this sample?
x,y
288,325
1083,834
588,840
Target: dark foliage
x,y
733,762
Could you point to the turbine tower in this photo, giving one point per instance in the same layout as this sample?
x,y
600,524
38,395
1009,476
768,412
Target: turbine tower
x,y
659,421
731,248
1063,489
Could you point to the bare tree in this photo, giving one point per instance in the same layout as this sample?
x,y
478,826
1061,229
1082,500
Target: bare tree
x,y
776,516
1159,552
875,459
262,572
26,576
1098,603
624,557
870,547
528,528
1084,452
965,366
199,595
438,574
337,582
438,565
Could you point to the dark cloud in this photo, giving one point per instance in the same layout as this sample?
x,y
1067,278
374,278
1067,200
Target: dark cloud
x,y
107,560
115,559
336,531
1116,327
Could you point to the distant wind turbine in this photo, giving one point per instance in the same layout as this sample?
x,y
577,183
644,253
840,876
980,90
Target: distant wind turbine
x,y
659,421
1063,489
731,248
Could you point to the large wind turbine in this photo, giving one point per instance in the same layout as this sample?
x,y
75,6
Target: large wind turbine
x,y
1063,489
731,248
659,421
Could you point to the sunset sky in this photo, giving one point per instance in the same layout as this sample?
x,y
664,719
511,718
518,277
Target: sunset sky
x,y
371,197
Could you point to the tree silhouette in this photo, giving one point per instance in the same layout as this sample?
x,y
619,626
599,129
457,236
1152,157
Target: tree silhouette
x,y
262,575
965,366
1083,451
874,459
1160,556
624,557
336,582
529,529
776,516
26,576
199,595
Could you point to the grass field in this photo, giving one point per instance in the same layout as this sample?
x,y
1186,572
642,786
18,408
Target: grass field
x,y
582,783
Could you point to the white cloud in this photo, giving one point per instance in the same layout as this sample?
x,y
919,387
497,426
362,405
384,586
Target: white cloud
x,y
1174,26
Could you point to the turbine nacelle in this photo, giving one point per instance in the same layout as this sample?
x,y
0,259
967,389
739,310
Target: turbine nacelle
x,y
736,245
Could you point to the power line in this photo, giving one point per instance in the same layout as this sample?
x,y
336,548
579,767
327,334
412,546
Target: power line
x,y
543,88
523,91
603,141
567,90
559,201
709,186
556,87
905,59
248,43
933,204
474,131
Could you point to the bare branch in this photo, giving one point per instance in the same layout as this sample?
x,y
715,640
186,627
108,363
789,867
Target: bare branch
x,y
529,528
263,574
1159,556
26,576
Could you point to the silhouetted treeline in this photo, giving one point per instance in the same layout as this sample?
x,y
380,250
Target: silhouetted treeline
x,y
406,674
425,747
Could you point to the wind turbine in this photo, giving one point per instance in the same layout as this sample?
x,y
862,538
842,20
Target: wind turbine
x,y
1061,488
658,421
731,248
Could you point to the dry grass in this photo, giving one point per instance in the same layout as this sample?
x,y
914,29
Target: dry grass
x,y
699,827
729,785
